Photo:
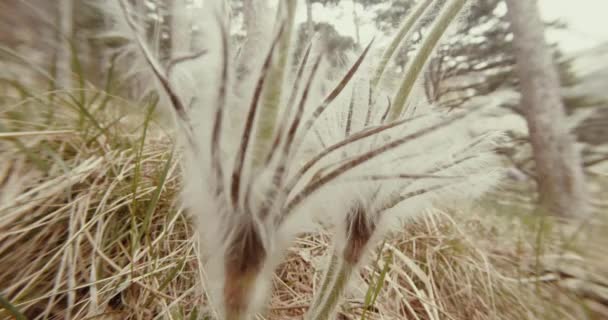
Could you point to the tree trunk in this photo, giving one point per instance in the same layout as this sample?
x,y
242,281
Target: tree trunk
x,y
560,178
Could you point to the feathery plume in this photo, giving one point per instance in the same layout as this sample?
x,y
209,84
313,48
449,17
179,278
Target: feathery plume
x,y
252,182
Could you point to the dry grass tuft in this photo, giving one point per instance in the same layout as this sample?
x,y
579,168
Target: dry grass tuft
x,y
452,266
91,228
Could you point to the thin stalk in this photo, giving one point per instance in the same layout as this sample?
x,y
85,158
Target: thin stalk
x,y
359,232
370,298
416,65
327,279
327,303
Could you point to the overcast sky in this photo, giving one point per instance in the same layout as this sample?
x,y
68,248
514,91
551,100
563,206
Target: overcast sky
x,y
587,20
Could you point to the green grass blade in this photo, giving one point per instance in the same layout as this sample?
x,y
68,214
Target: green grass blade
x,y
327,278
370,289
156,196
416,65
4,303
108,84
133,207
403,35
77,69
325,309
377,286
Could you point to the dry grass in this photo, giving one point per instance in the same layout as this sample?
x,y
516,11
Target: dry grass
x,y
91,228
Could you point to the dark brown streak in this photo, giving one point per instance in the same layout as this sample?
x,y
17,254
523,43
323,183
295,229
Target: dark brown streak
x,y
411,194
298,116
370,93
219,113
312,187
388,108
279,173
349,118
366,132
290,102
335,92
188,57
442,168
178,106
238,166
450,164
243,262
321,171
368,117
359,231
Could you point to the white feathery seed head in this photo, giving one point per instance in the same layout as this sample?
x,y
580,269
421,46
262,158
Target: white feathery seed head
x,y
331,155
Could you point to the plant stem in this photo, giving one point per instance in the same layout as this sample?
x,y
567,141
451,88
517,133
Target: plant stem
x,y
416,65
336,279
327,279
402,36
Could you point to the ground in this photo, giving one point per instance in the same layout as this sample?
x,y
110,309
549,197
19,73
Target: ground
x,y
91,227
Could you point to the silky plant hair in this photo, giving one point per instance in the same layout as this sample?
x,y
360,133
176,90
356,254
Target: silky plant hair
x,y
273,148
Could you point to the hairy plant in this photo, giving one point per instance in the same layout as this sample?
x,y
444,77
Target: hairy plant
x,y
269,153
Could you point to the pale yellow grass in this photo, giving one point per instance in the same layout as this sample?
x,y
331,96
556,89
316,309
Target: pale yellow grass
x,y
91,228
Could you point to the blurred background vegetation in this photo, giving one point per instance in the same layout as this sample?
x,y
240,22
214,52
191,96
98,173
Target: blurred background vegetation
x,y
61,72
